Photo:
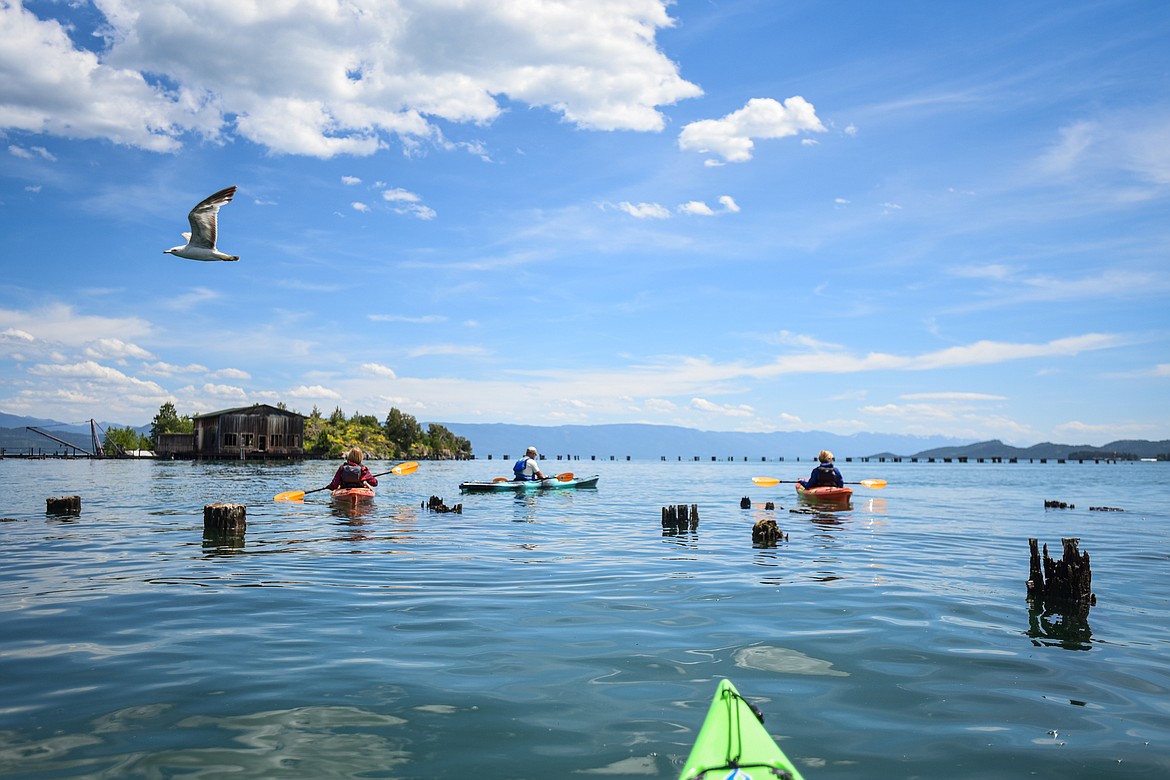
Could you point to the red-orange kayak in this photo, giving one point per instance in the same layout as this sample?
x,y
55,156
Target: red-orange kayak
x,y
824,495
352,496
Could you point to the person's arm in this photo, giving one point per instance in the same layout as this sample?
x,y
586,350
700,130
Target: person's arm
x,y
336,481
369,478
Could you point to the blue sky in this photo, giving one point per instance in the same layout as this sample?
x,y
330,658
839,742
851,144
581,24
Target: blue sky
x,y
921,218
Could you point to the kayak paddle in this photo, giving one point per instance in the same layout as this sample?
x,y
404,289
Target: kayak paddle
x,y
876,484
296,495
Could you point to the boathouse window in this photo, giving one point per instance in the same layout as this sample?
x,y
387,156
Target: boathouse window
x,y
248,439
277,440
229,440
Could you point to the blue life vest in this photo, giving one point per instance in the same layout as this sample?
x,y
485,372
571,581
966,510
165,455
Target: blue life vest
x,y
518,469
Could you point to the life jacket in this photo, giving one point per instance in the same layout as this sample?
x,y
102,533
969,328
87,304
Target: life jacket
x,y
351,475
827,475
518,469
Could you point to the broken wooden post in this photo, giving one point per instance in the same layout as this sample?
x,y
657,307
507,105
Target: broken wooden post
x,y
1067,583
680,517
766,533
435,504
225,519
65,505
745,503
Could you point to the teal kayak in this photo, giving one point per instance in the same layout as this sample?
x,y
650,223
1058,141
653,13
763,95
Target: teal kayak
x,y
734,745
525,486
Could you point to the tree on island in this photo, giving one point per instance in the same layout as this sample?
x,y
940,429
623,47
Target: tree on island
x,y
122,439
400,436
168,421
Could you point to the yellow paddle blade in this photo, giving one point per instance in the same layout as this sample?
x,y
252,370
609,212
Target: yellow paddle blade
x,y
289,495
565,477
405,468
765,481
876,484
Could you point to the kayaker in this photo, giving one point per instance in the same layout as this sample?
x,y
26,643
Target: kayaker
x,y
352,474
527,467
825,474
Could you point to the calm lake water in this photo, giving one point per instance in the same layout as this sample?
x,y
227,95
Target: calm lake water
x,y
565,634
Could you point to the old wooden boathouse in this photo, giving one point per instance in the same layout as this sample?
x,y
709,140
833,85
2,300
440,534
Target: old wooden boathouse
x,y
259,431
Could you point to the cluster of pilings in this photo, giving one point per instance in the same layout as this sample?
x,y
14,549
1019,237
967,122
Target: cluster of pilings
x,y
1065,583
1060,594
680,517
436,504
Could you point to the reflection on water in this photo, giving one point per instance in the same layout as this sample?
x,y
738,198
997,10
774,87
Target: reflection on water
x,y
303,742
783,660
524,507
217,543
1068,629
351,511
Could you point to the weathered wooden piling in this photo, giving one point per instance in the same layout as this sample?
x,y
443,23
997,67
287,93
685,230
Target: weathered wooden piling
x,y
769,506
436,504
745,503
680,517
65,505
1067,583
225,519
766,532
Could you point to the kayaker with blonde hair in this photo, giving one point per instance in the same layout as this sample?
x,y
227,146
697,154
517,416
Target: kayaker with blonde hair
x,y
352,473
527,468
825,474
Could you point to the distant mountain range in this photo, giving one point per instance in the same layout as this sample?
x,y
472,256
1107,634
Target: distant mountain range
x,y
643,441
16,438
1124,449
672,442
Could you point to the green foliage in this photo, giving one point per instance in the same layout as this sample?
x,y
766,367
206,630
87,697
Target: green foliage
x,y
403,431
168,421
399,437
119,439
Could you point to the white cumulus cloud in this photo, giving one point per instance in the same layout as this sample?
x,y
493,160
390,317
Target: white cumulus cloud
x,y
732,137
331,78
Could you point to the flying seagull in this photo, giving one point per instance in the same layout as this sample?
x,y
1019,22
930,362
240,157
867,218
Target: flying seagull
x,y
201,239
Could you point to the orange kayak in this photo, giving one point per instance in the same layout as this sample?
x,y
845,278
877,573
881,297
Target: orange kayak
x,y
352,496
824,495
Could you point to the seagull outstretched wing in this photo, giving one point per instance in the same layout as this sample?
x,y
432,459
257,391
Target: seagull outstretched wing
x,y
204,218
